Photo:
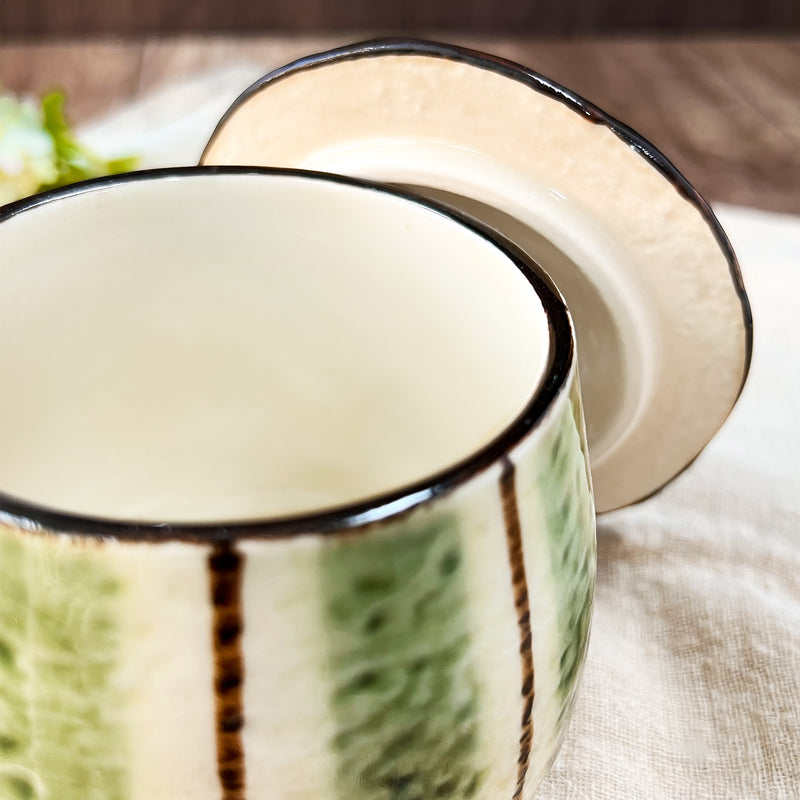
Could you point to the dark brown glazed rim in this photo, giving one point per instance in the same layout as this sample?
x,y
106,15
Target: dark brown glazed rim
x,y
539,83
27,515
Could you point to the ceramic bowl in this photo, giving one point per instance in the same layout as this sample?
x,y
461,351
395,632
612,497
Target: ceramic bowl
x,y
662,321
295,496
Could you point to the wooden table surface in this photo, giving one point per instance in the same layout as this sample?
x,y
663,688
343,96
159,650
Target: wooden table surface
x,y
725,111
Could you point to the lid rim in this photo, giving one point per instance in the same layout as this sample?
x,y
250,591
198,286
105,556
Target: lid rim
x,y
399,46
373,48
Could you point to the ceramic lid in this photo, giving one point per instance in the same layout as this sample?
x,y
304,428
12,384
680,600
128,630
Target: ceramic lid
x,y
663,326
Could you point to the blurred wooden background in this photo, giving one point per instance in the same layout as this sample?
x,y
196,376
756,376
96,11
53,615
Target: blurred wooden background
x,y
539,17
715,84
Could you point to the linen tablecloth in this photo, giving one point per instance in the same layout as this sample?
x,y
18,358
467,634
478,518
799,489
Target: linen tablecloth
x,y
692,682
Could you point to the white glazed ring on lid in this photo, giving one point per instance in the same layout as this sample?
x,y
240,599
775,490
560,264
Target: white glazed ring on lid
x,y
663,323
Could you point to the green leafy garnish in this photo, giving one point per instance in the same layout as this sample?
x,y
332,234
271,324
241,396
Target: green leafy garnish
x,y
74,162
38,150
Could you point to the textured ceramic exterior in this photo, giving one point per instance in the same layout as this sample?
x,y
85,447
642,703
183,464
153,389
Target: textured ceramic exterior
x,y
435,654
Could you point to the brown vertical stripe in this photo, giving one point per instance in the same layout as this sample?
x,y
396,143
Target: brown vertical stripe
x,y
225,576
508,494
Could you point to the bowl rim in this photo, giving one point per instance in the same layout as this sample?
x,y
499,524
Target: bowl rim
x,y
28,515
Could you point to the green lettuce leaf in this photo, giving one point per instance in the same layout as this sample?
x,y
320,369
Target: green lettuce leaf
x,y
38,150
74,162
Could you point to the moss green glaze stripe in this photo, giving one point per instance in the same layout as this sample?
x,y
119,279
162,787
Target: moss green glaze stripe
x,y
508,496
564,480
405,697
17,778
61,719
225,583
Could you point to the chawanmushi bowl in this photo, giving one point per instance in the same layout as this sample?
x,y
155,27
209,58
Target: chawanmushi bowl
x,y
295,494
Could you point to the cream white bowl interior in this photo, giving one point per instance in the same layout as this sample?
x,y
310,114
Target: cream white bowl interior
x,y
229,347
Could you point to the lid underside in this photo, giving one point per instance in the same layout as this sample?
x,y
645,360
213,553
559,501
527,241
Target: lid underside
x,y
662,322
